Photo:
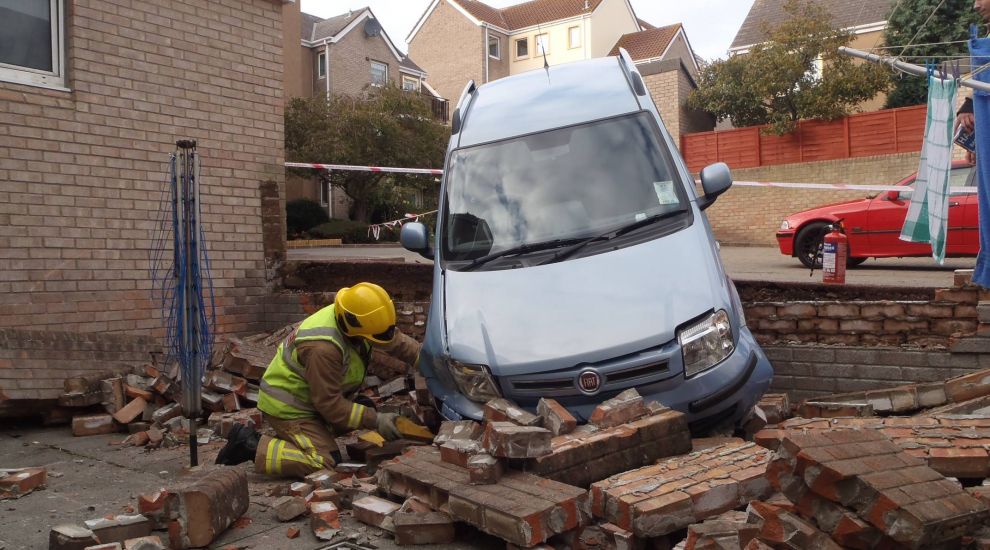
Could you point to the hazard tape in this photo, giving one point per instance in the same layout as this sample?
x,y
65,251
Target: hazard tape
x,y
780,185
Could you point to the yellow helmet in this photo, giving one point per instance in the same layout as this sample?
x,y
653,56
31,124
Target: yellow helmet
x,y
365,310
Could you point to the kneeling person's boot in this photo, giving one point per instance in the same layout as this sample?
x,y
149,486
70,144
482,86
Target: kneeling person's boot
x,y
242,444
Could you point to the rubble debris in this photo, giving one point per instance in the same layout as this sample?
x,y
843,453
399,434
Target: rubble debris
x,y
68,536
503,410
288,508
374,511
119,528
398,385
728,530
324,520
205,505
222,422
321,479
247,359
776,407
618,538
114,398
621,409
457,429
423,528
782,529
484,469
323,495
292,532
826,409
555,417
225,382
300,489
152,506
150,542
886,487
166,413
93,424
17,482
656,500
509,440
107,546
459,451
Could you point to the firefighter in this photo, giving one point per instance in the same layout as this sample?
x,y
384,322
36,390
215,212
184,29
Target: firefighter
x,y
309,391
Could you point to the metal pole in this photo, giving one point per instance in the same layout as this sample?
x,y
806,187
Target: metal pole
x,y
916,70
190,330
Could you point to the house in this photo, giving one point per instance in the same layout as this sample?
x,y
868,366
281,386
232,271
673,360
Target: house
x,y
461,40
865,19
86,130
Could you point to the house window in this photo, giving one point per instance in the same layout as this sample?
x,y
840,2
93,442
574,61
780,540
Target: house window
x,y
542,44
494,47
379,73
324,192
574,37
522,48
410,84
32,44
321,65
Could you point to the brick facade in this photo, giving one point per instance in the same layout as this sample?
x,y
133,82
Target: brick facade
x,y
670,83
451,48
350,63
751,215
82,171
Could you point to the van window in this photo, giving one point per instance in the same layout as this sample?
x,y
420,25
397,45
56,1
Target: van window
x,y
565,184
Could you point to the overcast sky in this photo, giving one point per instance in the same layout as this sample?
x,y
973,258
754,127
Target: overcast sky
x,y
710,24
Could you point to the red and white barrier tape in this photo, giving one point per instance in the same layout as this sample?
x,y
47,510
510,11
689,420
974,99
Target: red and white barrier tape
x,y
427,171
781,185
375,229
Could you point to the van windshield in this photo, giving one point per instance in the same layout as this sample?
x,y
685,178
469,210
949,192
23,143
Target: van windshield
x,y
555,188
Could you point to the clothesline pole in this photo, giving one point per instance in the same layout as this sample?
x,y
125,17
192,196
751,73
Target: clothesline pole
x,y
916,70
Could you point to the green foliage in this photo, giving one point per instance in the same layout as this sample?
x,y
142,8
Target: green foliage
x,y
389,127
798,73
302,214
349,232
907,25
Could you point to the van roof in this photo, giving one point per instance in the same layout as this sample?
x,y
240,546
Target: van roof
x,y
534,101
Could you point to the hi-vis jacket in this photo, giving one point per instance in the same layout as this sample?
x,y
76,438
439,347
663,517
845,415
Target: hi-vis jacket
x,y
317,371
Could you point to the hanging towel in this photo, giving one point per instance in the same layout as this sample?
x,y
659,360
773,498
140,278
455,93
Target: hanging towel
x,y
927,219
979,48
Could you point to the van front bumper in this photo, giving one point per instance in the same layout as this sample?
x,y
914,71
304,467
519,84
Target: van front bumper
x,y
723,393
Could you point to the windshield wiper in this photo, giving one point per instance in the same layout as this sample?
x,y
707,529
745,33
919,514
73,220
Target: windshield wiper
x,y
517,250
611,234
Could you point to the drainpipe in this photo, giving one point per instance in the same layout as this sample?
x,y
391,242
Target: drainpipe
x,y
485,53
326,53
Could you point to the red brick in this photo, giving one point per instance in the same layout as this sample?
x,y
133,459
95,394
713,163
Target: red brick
x,y
120,528
502,410
374,511
288,508
555,417
94,424
206,505
292,532
508,440
301,488
458,451
969,386
460,429
324,520
623,408
484,469
70,537
18,482
822,409
776,407
150,542
423,528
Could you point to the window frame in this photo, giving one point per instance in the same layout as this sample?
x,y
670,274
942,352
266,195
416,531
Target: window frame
x,y
324,192
498,47
536,43
516,42
415,82
371,66
55,78
321,65
571,44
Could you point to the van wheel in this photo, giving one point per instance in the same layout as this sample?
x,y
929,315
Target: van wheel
x,y
808,244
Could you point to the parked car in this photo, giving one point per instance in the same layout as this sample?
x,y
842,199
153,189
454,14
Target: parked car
x,y
572,257
873,224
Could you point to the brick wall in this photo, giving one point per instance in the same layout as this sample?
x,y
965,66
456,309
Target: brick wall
x,y
81,171
751,215
670,85
450,48
350,62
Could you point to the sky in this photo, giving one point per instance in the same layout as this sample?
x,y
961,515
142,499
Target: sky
x,y
710,24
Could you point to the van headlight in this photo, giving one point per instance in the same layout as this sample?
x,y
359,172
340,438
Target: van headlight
x,y
474,381
706,343
785,225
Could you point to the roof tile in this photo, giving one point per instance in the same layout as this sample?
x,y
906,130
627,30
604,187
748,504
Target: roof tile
x,y
845,14
648,44
528,14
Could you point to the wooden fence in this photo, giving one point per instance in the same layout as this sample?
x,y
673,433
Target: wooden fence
x,y
866,134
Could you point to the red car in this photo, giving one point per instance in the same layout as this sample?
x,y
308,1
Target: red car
x,y
873,225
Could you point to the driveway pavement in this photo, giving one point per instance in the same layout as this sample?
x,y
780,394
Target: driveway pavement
x,y
743,263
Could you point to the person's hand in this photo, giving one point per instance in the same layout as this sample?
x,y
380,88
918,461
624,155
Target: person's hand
x,y
966,120
970,157
387,427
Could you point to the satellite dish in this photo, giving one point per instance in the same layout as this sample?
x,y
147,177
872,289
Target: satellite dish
x,y
372,28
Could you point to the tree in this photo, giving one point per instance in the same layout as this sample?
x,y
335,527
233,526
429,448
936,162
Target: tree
x,y
389,127
919,22
797,73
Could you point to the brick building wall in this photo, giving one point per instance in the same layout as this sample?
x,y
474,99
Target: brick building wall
x,y
82,171
460,59
350,62
670,85
752,215
497,68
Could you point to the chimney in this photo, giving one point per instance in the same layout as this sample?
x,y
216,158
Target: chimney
x,y
349,12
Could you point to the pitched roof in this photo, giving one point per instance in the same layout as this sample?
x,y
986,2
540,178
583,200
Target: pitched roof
x,y
528,14
845,14
644,25
308,22
330,26
648,44
408,63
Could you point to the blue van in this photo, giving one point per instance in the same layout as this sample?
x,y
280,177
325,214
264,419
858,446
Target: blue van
x,y
572,257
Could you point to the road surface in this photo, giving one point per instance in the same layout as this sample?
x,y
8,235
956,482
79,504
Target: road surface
x,y
744,263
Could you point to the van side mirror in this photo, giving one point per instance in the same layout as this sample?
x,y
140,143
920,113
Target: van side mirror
x,y
415,238
715,180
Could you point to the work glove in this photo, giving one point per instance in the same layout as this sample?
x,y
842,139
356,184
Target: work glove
x,y
387,427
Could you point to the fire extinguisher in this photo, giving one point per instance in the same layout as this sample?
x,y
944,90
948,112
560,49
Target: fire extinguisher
x,y
835,251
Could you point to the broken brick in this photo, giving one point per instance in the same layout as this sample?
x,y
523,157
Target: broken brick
x,y
823,409
70,537
222,422
107,546
782,529
152,506
224,382
555,417
206,505
93,424
15,483
623,408
323,495
728,530
231,403
458,451
423,528
292,532
120,528
150,542
502,410
300,488
324,520
414,505
166,413
134,393
114,398
459,429
139,439
373,511
508,440
321,479
968,386
776,407
288,508
483,469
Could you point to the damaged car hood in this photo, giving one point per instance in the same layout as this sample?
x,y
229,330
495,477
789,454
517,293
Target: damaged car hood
x,y
586,309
